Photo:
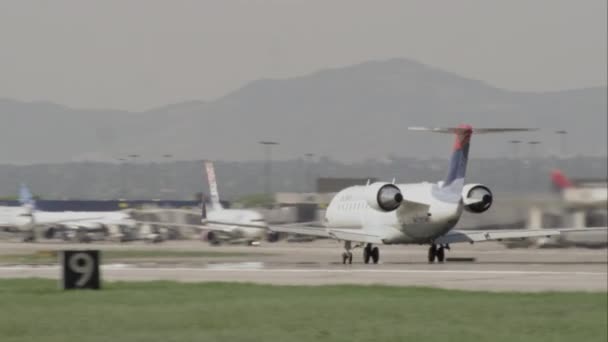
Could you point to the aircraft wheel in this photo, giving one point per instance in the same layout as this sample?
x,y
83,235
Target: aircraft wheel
x,y
367,253
375,255
347,257
432,253
440,254
29,238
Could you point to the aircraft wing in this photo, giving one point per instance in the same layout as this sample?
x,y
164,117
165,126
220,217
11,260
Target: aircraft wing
x,y
209,226
310,231
213,223
345,234
171,224
218,226
472,236
68,221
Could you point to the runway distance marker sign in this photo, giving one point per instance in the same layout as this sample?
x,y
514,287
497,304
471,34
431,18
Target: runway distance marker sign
x,y
80,269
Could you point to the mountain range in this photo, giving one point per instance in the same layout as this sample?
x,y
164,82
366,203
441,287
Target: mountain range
x,y
352,113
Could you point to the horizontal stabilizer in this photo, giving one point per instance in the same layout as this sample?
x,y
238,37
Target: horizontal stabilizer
x,y
458,130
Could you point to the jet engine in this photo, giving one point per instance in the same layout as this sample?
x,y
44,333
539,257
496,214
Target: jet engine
x,y
213,238
272,236
50,232
477,198
383,196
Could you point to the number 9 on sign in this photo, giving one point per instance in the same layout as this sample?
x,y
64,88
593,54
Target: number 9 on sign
x,y
80,269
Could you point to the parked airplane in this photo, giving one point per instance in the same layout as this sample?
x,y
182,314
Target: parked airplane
x,y
581,193
417,213
230,225
69,225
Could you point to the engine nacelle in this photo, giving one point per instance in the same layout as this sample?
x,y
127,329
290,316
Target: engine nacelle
x,y
50,232
272,236
213,238
383,196
477,198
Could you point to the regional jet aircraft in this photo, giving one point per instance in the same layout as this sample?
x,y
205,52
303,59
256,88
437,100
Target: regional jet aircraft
x,y
416,213
230,225
581,193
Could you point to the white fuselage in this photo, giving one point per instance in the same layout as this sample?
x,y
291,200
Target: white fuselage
x,y
417,223
13,217
20,217
233,218
586,197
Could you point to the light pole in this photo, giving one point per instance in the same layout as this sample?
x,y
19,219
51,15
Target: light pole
x,y
166,176
562,142
562,148
516,161
532,145
309,181
123,181
267,145
134,161
533,155
515,144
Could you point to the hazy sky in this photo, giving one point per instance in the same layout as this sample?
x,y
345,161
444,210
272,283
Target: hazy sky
x,y
140,54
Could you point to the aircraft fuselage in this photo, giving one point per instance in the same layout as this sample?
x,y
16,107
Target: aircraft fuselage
x,y
433,214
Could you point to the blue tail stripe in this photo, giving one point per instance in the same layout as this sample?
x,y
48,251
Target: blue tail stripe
x,y
458,165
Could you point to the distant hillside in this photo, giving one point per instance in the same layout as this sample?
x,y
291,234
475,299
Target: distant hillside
x,y
181,180
350,113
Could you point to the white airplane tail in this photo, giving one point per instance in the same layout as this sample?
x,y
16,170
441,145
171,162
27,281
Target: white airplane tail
x,y
29,205
26,199
213,192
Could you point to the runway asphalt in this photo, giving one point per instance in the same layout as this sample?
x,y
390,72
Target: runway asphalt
x,y
493,267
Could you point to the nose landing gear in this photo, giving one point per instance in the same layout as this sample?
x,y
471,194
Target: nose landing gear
x,y
347,256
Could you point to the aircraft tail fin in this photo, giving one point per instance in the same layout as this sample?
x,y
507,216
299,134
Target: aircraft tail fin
x,y
454,180
560,181
25,198
213,192
203,210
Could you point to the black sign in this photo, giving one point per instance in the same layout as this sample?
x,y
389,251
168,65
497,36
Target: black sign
x,y
80,270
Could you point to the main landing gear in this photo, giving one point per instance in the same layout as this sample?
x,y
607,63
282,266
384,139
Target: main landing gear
x,y
437,252
370,253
